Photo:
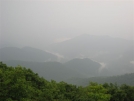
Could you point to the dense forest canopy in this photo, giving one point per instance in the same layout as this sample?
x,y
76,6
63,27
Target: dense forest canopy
x,y
21,84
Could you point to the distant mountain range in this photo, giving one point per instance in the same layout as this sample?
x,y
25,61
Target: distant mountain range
x,y
116,54
59,72
100,48
84,56
76,68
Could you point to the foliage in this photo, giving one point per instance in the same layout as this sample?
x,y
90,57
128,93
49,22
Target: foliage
x,y
97,92
21,84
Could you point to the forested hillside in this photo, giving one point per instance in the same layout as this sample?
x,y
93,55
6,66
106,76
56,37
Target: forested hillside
x,y
21,84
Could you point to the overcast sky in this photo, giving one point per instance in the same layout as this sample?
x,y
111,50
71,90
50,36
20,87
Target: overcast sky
x,y
42,22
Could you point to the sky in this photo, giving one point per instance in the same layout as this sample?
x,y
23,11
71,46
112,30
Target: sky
x,y
38,23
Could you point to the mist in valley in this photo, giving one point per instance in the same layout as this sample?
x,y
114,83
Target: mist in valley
x,y
68,40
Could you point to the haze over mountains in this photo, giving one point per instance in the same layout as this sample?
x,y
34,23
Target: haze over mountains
x,y
93,46
95,56
116,55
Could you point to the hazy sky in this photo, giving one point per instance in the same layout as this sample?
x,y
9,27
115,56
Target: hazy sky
x,y
42,22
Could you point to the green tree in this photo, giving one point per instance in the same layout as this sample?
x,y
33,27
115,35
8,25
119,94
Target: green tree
x,y
96,92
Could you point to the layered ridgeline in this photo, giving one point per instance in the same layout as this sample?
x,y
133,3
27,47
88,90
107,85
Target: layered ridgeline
x,y
43,63
59,72
116,54
75,71
76,68
21,84
100,48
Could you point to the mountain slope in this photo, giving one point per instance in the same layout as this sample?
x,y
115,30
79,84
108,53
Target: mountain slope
x,y
48,70
84,66
26,54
